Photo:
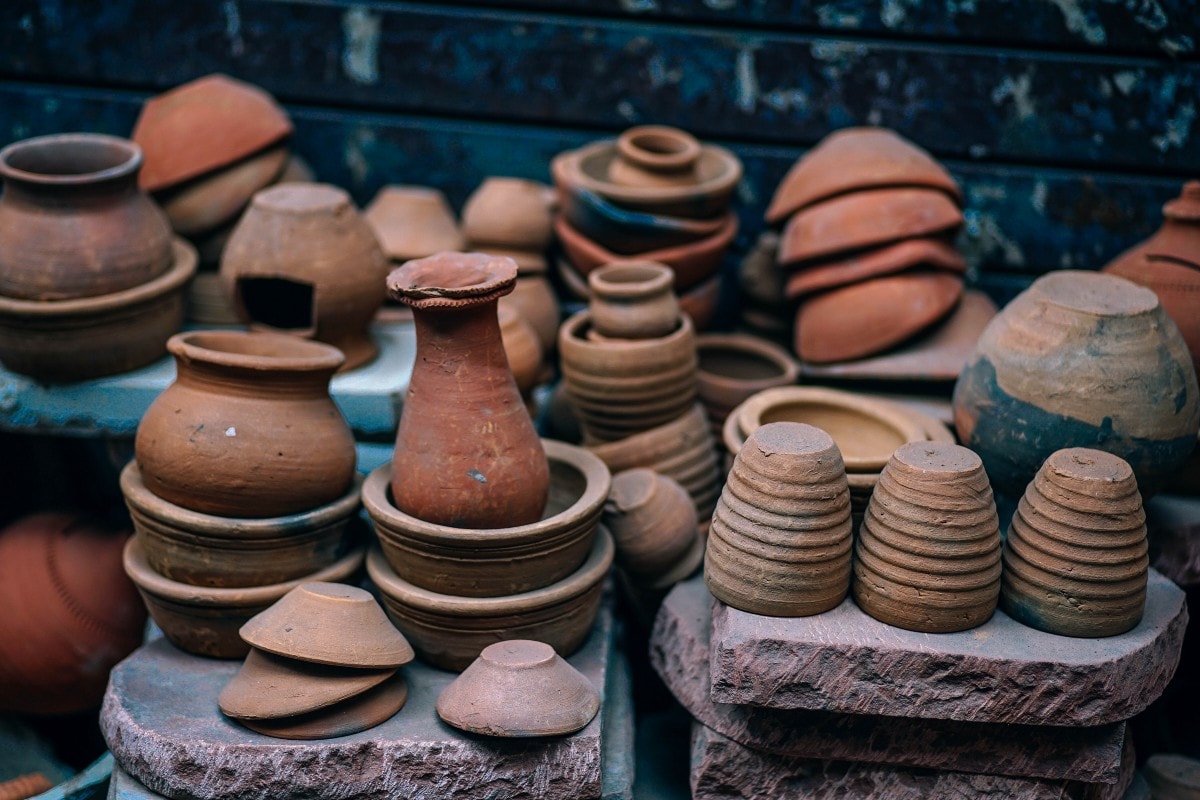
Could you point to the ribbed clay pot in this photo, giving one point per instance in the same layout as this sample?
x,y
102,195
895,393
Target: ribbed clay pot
x,y
781,536
653,527
1079,358
633,300
735,366
928,552
1075,560
467,454
509,212
248,428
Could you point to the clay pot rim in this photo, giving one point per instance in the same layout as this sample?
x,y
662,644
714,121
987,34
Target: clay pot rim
x,y
300,355
129,166
674,256
632,278
740,344
572,335
636,220
1049,290
183,267
497,276
569,170
579,582
681,151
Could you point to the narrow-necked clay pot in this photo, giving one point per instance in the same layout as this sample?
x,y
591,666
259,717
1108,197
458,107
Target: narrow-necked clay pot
x,y
271,687
1172,776
359,713
1075,560
1177,285
633,300
248,428
733,367
655,156
1079,358
413,222
509,212
651,520
624,230
519,688
920,253
928,552
73,223
206,203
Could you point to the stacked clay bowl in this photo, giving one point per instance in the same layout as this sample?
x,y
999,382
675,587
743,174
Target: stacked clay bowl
x,y
735,366
867,245
781,540
927,556
1075,560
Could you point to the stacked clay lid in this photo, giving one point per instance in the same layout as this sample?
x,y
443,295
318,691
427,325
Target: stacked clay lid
x,y
323,663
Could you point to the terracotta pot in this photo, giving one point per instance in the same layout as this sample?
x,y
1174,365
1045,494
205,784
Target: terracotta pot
x,y
58,341
700,302
73,223
205,125
207,550
269,687
1179,237
207,303
494,562
1079,358
920,253
509,212
449,632
467,454
212,200
361,712
248,428
623,230
521,348
928,553
853,159
732,367
1178,288
1075,560
303,261
534,301
633,300
651,521
204,621
69,614
655,156
413,222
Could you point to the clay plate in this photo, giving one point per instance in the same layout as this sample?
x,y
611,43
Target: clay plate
x,y
887,260
367,710
271,687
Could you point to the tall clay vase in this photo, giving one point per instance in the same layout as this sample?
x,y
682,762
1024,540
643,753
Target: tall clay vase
x,y
1075,561
928,553
467,454
780,538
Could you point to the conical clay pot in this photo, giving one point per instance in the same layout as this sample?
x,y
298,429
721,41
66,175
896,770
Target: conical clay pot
x,y
272,687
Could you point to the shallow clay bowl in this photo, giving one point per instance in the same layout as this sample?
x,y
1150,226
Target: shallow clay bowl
x,y
922,252
205,621
413,222
210,201
500,561
269,686
449,632
373,707
623,230
734,366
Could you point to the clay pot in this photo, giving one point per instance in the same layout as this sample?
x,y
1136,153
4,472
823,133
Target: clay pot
x,y
449,632
732,367
303,261
522,348
359,713
519,688
1178,288
633,300
623,230
867,318
867,219
853,159
271,687
413,222
24,786
1179,237
73,223
212,200
69,613
494,562
248,428
204,621
509,212
781,537
205,125
1172,777
654,157
534,301
923,253
1079,358
207,550
207,303
651,521
928,552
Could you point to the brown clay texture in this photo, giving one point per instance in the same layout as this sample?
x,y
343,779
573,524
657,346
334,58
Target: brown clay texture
x,y
652,521
413,222
25,786
521,347
533,300
373,707
734,366
271,687
919,253
655,156
1179,237
633,300
508,212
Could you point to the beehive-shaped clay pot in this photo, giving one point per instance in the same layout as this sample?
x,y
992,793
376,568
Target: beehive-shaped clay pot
x,y
780,538
652,520
1075,561
928,553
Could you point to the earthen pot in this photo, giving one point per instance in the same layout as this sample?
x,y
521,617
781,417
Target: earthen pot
x,y
624,230
1179,237
655,156
248,428
272,687
869,317
518,689
522,348
204,125
207,303
493,562
70,614
59,341
359,713
927,556
25,786
780,538
413,222
732,367
921,253
1177,286
1172,776
854,159
1079,358
213,200
533,300
449,632
73,223
467,454
204,621
509,212
633,300
651,521
303,261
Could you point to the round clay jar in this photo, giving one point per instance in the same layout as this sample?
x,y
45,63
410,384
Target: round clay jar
x,y
633,300
651,156
509,212
650,518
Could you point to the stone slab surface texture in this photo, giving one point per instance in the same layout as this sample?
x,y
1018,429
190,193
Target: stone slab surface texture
x,y
722,769
1174,525
161,722
679,648
1002,671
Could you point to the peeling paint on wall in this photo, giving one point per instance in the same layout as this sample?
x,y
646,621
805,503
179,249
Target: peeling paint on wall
x,y
356,158
360,55
233,28
1178,128
1019,91
984,240
1081,21
747,80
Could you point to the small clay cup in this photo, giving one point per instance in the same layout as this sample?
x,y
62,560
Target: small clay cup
x,y
655,156
633,300
651,521
733,367
509,212
413,222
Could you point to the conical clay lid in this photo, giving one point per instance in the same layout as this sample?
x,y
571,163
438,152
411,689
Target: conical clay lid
x,y
270,687
359,713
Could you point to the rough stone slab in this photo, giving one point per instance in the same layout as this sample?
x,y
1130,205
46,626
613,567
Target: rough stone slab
x,y
1002,671
1174,525
161,722
679,648
722,769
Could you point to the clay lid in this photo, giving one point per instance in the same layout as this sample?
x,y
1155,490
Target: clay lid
x,y
853,159
452,280
413,222
1094,473
270,687
371,708
204,125
921,252
329,623
519,688
509,212
866,219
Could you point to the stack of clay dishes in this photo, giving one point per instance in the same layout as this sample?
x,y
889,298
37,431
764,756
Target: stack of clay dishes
x,y
91,280
781,539
519,689
322,663
733,367
868,226
927,556
1075,560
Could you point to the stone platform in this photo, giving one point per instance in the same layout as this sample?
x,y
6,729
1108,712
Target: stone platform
x,y
161,722
1002,671
679,649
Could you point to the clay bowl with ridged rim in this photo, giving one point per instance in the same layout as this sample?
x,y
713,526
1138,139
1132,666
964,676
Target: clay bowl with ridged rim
x,y
734,366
